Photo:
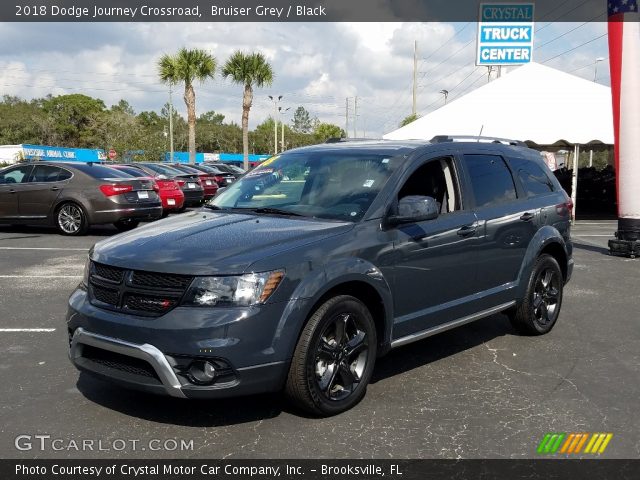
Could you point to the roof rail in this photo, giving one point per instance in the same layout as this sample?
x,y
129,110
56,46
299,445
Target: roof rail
x,y
475,138
338,140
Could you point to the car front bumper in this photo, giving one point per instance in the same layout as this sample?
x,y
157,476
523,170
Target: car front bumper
x,y
253,342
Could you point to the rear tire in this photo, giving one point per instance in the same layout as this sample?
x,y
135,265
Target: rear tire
x,y
334,358
539,311
71,219
126,225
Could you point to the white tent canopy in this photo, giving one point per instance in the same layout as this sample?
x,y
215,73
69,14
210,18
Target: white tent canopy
x,y
532,103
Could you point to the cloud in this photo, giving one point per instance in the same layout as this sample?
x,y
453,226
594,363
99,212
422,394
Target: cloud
x,y
317,65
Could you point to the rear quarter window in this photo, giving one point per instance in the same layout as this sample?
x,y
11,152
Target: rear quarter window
x,y
533,177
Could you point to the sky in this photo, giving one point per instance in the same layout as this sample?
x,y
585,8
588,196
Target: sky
x,y
316,65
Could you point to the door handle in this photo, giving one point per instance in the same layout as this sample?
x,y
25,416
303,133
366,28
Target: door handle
x,y
12,191
527,217
55,189
467,230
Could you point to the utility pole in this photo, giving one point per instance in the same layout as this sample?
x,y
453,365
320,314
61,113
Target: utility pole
x,y
275,122
282,112
346,116
170,123
415,76
355,117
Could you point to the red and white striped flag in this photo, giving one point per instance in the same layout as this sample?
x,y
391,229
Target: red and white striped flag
x,y
624,59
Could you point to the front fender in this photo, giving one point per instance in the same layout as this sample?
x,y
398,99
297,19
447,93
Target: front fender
x,y
318,282
543,237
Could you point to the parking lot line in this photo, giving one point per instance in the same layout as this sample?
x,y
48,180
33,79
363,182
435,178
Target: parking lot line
x,y
45,248
40,276
18,330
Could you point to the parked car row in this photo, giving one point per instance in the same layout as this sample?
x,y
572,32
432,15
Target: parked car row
x,y
73,196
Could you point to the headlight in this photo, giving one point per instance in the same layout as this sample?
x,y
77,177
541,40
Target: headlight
x,y
87,269
241,290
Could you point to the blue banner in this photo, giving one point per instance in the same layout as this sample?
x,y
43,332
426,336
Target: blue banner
x,y
44,152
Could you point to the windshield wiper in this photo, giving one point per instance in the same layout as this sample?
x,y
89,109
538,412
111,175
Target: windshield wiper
x,y
212,207
276,211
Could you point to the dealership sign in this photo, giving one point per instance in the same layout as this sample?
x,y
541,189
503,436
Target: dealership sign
x,y
505,34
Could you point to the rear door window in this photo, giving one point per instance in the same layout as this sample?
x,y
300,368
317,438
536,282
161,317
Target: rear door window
x,y
491,180
64,175
532,176
44,174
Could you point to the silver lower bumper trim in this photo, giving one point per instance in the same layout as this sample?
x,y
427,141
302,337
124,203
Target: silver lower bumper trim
x,y
145,352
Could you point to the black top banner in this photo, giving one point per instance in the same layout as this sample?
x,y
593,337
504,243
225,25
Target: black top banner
x,y
300,10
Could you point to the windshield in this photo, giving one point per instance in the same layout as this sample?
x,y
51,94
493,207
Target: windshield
x,y
332,185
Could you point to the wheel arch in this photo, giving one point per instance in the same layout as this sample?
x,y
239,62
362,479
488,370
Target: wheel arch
x,y
547,240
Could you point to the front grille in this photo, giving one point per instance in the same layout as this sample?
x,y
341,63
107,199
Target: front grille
x,y
155,280
145,303
117,361
135,291
113,274
105,295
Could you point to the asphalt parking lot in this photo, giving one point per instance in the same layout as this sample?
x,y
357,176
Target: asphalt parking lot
x,y
479,391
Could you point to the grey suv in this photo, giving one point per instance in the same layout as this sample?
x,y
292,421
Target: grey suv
x,y
320,260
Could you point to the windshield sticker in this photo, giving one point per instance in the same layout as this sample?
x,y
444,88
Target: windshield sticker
x,y
385,160
259,171
268,161
368,183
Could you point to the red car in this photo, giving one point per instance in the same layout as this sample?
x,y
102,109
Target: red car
x,y
168,189
208,180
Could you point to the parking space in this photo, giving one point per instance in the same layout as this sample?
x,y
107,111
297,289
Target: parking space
x,y
479,391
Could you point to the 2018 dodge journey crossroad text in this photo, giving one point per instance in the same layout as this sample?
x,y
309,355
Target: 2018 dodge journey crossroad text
x,y
300,274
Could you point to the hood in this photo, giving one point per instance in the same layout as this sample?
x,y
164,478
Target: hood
x,y
208,243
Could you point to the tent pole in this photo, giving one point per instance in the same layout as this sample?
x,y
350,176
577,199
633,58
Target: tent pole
x,y
590,158
574,180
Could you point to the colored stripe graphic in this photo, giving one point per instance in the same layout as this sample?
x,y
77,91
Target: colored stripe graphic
x,y
573,443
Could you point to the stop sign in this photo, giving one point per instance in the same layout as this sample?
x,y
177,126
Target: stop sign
x,y
112,154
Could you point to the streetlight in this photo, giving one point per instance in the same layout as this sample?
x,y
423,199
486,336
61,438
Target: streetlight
x,y
595,73
446,94
275,121
282,124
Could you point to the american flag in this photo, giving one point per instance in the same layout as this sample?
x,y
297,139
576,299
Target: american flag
x,y
620,7
624,61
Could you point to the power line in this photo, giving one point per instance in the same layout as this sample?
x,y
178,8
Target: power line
x,y
575,48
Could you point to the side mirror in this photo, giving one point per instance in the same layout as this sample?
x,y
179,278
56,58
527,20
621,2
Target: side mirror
x,y
415,208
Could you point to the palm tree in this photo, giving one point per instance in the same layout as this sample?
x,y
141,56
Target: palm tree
x,y
186,66
251,70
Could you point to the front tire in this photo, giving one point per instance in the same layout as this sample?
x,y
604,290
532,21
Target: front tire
x,y
71,219
334,358
539,311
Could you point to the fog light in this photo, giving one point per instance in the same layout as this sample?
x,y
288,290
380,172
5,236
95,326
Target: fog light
x,y
202,372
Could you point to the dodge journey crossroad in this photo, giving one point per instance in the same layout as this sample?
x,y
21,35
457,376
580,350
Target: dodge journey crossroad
x,y
304,271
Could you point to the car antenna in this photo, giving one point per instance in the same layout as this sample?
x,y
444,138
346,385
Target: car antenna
x,y
480,134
